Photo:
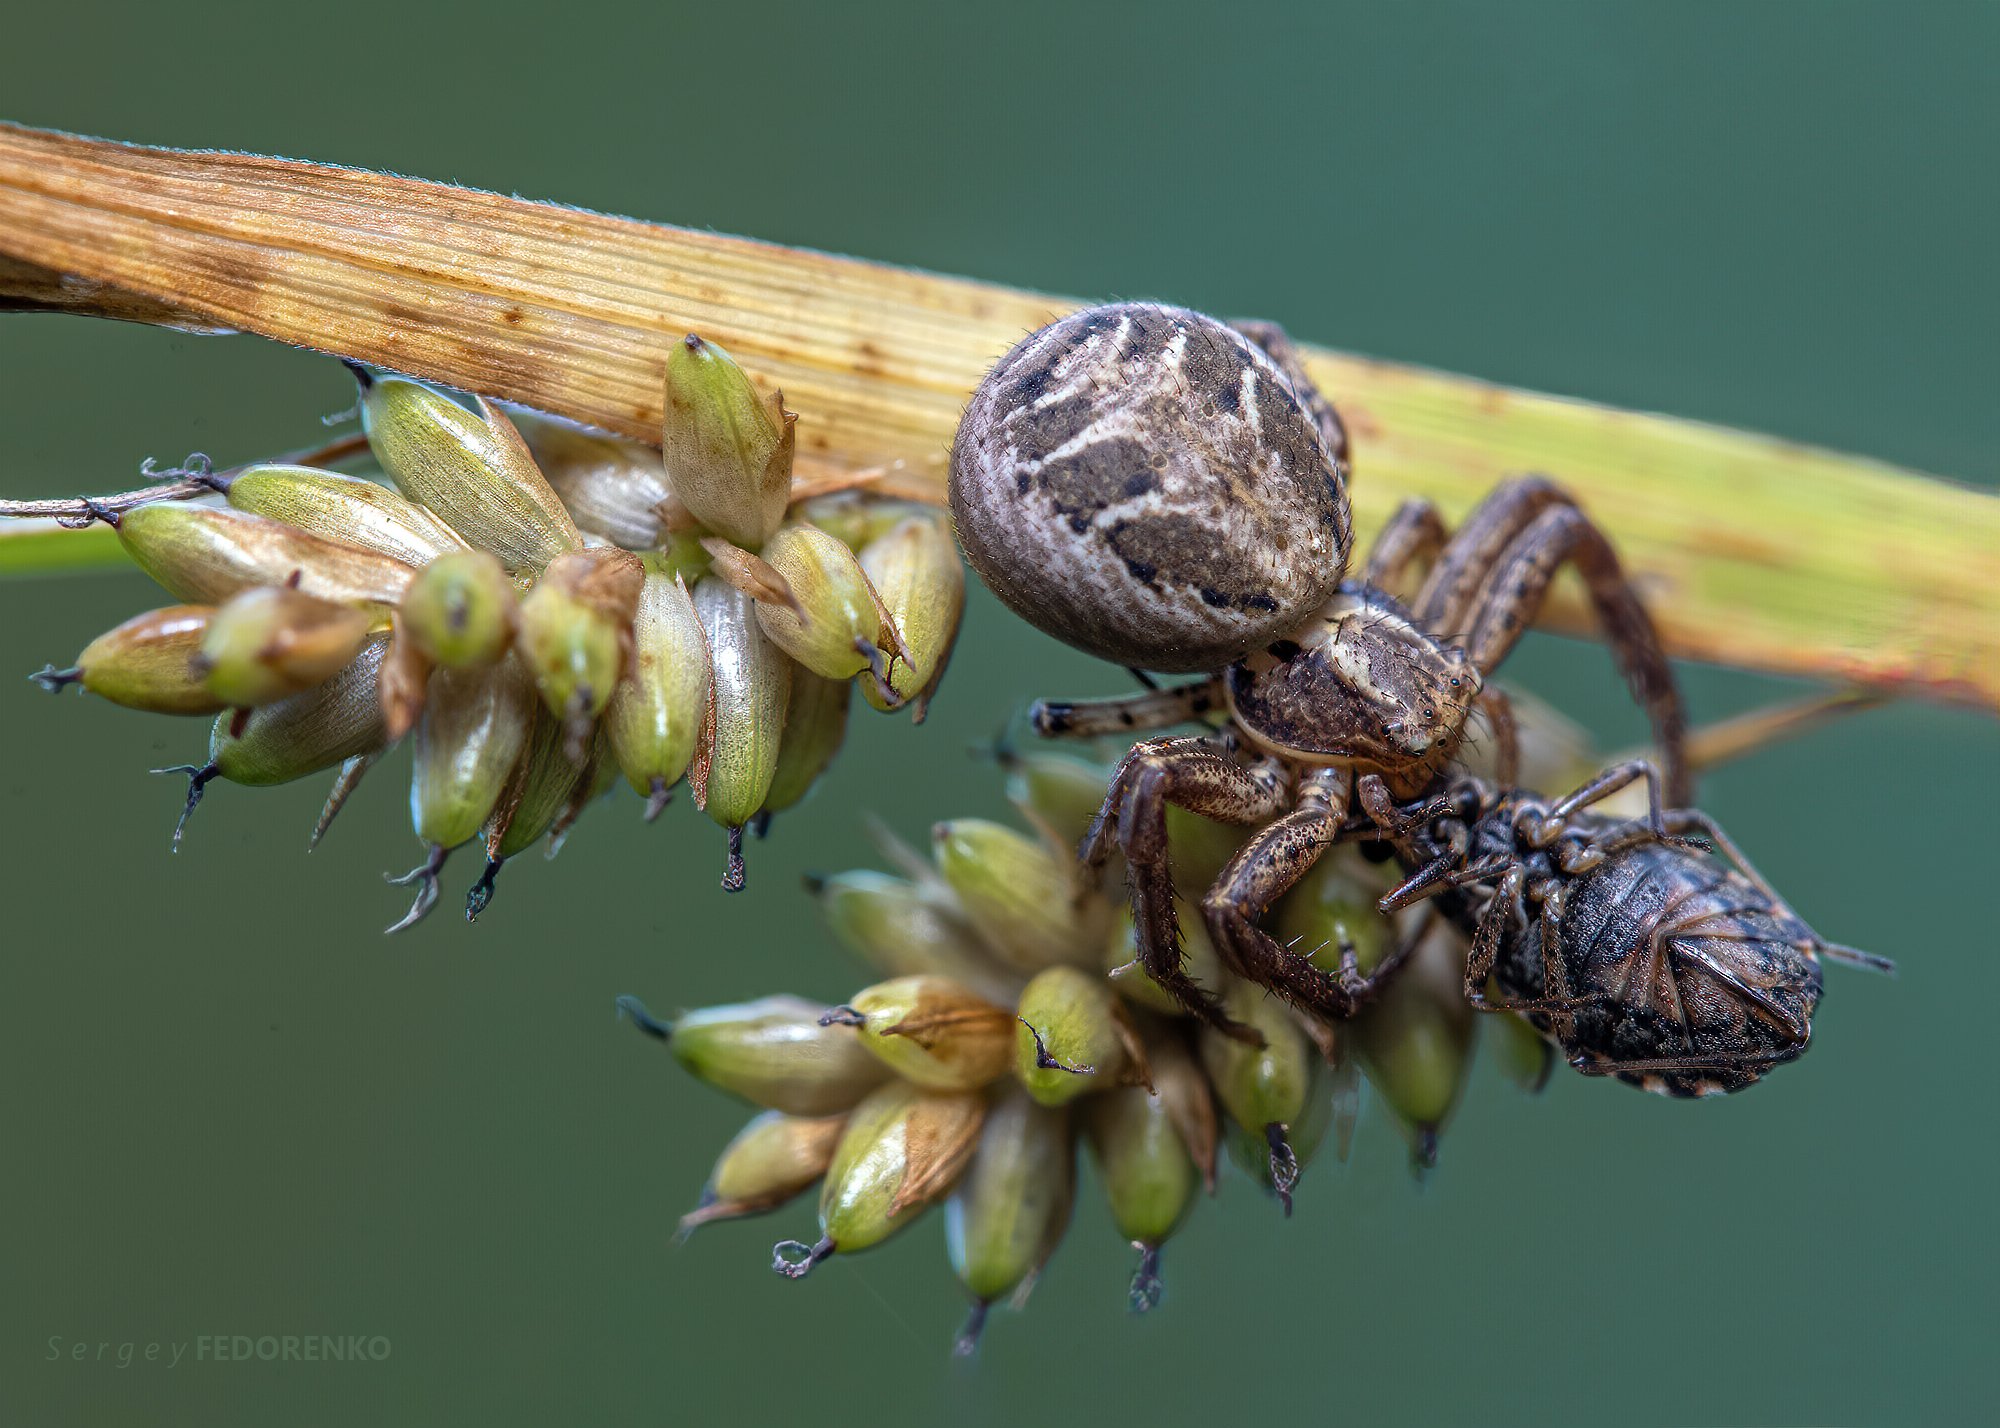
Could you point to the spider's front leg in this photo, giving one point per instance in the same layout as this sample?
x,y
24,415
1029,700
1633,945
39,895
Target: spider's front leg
x,y
1264,870
1126,714
1193,774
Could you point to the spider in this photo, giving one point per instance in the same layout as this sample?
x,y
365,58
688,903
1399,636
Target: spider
x,y
1143,430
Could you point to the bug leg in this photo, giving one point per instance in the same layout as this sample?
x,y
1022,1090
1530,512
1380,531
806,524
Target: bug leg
x,y
1127,714
1190,774
1493,577
1682,819
1602,786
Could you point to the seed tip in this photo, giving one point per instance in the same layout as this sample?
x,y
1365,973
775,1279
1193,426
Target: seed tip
x,y
361,374
631,1007
56,680
967,1343
795,1259
1147,1287
732,874
657,800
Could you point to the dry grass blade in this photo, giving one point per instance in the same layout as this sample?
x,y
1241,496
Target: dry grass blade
x,y
1755,552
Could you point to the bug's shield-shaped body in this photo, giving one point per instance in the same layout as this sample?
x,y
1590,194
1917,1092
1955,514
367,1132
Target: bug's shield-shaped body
x,y
1145,483
1670,957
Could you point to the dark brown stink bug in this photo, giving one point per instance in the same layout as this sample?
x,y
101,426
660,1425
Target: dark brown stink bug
x,y
1626,943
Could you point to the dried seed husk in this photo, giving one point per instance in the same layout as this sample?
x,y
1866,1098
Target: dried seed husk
x,y
1059,794
1070,1036
205,554
1149,1176
575,630
148,663
833,626
935,1032
903,1150
920,581
1183,1089
404,682
1017,895
270,642
474,728
461,610
656,716
1136,984
727,450
773,1159
610,487
310,731
1259,1086
815,728
472,470
1009,1210
342,508
752,683
774,1053
898,928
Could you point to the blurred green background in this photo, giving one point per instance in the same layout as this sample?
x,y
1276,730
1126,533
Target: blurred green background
x,y
234,1108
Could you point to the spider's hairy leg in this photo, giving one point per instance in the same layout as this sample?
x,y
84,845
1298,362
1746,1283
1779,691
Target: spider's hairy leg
x,y
1196,775
1127,714
1415,534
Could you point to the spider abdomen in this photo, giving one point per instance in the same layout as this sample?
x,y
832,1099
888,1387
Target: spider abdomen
x,y
1144,483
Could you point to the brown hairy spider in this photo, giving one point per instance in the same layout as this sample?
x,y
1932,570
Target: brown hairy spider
x,y
1364,701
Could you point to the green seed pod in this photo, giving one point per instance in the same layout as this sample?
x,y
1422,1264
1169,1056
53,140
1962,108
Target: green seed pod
x,y
838,628
1136,984
473,470
1149,1177
1017,895
342,508
728,450
541,791
932,1031
269,643
146,663
855,517
752,684
310,731
575,629
1331,915
1525,1058
921,583
461,610
1182,1087
1070,1036
611,488
771,1160
775,1052
815,728
1265,1089
898,928
1276,1159
204,554
655,717
1058,793
903,1150
1009,1210
1415,1040
683,555
313,730
473,731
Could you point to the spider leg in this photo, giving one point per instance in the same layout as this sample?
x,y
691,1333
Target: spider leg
x,y
1190,774
1506,734
1415,533
1285,357
1493,576
1126,714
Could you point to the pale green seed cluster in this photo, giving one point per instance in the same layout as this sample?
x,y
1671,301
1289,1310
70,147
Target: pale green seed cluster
x,y
1013,1023
541,610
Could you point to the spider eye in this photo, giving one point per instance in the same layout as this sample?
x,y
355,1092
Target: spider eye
x,y
1430,714
1454,681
